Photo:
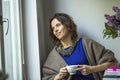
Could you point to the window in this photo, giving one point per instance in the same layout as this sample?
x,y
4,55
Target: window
x,y
12,38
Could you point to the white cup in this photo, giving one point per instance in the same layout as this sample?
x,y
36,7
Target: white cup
x,y
71,69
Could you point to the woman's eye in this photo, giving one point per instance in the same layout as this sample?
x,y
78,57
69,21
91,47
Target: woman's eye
x,y
57,25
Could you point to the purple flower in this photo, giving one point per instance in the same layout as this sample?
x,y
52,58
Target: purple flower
x,y
110,23
117,16
119,27
106,15
109,18
114,20
116,9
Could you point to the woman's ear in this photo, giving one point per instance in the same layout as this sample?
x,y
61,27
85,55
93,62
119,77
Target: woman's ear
x,y
69,29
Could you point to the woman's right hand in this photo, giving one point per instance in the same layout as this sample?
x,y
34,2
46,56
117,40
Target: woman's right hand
x,y
62,73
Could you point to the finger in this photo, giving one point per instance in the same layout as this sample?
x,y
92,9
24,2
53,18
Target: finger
x,y
64,68
84,73
80,67
84,70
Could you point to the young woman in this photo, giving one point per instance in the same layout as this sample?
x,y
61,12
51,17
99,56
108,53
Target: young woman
x,y
91,57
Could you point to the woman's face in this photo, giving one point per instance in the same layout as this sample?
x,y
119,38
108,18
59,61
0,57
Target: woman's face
x,y
59,30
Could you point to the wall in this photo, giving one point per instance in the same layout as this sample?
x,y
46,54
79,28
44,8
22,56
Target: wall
x,y
89,17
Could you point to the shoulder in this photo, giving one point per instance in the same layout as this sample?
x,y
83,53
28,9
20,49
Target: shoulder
x,y
89,41
52,53
86,39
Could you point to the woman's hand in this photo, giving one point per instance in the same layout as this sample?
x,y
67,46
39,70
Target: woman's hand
x,y
62,73
85,69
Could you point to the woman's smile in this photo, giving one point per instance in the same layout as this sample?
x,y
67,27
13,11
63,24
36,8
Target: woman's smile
x,y
58,34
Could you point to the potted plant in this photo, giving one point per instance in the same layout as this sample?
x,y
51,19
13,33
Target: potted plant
x,y
112,26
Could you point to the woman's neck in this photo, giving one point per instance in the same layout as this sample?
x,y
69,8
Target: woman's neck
x,y
66,43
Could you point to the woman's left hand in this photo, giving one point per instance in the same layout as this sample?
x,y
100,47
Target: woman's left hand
x,y
85,69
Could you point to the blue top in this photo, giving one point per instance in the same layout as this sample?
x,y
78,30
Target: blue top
x,y
78,57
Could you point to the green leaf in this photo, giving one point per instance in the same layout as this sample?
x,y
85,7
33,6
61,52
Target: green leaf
x,y
109,32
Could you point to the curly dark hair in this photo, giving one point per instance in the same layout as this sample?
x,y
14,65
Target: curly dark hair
x,y
67,21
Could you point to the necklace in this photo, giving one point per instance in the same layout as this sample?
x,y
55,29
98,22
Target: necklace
x,y
67,52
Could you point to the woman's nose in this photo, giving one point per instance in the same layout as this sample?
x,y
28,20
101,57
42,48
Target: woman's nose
x,y
55,29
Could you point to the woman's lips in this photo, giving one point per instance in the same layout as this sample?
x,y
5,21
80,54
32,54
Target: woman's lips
x,y
58,34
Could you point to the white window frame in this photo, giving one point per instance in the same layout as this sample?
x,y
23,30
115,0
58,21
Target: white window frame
x,y
15,27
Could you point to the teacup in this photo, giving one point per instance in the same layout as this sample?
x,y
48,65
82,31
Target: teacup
x,y
71,69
